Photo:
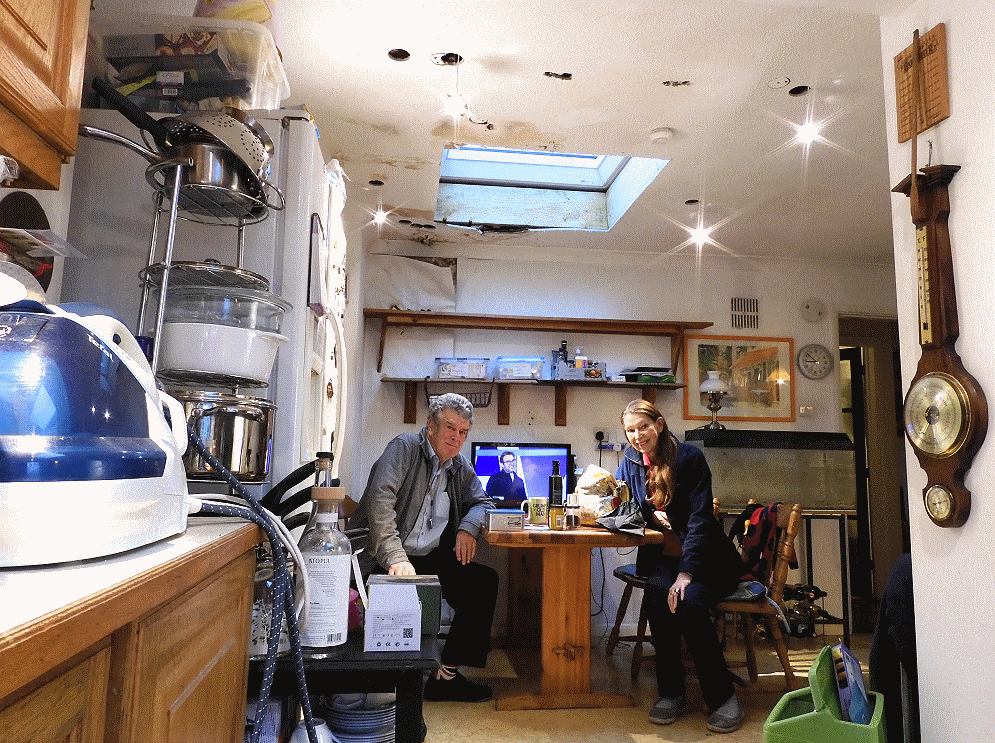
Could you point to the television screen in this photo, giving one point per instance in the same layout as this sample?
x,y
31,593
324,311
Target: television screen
x,y
525,470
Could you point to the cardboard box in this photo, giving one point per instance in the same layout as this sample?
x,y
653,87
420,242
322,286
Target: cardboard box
x,y
393,618
402,609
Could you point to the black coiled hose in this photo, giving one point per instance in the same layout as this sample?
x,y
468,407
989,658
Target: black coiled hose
x,y
283,599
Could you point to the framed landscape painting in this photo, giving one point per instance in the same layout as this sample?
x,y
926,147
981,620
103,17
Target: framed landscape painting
x,y
757,371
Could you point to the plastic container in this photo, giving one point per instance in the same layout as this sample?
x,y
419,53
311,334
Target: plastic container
x,y
519,367
813,715
461,368
172,64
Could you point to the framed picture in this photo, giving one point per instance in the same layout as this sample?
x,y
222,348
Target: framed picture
x,y
757,372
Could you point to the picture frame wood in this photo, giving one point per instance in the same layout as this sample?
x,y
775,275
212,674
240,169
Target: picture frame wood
x,y
758,372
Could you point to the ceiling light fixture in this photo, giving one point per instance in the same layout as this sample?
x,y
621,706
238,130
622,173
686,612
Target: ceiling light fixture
x,y
808,132
453,103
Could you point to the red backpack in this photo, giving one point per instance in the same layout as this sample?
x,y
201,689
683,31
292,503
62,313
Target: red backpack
x,y
756,535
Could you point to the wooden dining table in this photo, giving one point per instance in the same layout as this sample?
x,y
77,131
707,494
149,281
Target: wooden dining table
x,y
565,643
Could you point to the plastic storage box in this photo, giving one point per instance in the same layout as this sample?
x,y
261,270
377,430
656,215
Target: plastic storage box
x,y
519,367
813,715
461,368
171,64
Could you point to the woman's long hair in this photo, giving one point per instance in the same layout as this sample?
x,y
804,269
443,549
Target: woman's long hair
x,y
660,473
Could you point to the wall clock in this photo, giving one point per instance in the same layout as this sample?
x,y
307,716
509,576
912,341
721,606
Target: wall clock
x,y
946,412
815,361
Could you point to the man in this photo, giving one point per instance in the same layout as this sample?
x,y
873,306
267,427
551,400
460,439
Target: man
x,y
506,485
425,507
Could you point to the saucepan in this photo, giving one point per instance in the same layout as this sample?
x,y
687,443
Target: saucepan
x,y
236,429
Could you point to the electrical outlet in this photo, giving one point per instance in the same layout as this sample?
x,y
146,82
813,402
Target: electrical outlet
x,y
602,434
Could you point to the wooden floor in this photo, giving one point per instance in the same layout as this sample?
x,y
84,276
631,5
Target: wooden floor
x,y
507,671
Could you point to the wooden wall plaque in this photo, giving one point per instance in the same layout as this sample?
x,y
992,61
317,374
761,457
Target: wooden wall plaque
x,y
934,90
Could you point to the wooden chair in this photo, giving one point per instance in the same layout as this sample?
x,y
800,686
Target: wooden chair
x,y
627,574
789,521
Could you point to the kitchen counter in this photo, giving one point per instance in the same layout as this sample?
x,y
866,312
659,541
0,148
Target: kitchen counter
x,y
142,619
28,594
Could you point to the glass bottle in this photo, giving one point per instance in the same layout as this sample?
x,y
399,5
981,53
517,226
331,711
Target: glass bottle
x,y
262,608
556,497
328,558
571,512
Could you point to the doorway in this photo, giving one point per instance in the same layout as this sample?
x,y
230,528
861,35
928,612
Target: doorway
x,y
871,391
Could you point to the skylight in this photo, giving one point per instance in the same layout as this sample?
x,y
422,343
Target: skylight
x,y
498,189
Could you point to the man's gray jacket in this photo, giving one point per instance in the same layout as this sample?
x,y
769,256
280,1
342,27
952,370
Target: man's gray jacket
x,y
394,494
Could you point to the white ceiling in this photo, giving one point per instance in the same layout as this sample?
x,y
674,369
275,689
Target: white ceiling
x,y
732,146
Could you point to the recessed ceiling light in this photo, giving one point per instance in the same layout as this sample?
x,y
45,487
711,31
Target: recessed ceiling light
x,y
446,59
807,133
376,182
399,55
404,221
799,90
691,202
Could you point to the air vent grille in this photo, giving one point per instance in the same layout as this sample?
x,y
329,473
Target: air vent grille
x,y
745,313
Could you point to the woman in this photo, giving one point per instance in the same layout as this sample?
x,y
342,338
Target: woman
x,y
673,485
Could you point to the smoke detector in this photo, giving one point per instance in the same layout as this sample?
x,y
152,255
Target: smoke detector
x,y
661,134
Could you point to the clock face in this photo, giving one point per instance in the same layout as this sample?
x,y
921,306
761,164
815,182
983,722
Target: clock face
x,y
939,503
937,415
815,361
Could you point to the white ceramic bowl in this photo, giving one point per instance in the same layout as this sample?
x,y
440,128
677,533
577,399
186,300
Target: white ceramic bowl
x,y
219,349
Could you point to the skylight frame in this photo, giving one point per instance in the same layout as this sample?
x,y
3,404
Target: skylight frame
x,y
497,166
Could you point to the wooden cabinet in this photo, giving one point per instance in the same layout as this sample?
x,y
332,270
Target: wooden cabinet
x,y
42,50
180,674
70,707
161,655
674,330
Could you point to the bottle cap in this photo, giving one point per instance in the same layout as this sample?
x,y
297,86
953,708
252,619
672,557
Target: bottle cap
x,y
327,493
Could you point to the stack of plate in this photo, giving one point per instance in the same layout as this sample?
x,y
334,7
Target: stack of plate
x,y
357,724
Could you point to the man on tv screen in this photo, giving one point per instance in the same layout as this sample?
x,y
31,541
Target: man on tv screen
x,y
506,485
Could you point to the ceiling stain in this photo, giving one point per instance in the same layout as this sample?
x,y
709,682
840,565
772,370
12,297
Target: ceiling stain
x,y
388,130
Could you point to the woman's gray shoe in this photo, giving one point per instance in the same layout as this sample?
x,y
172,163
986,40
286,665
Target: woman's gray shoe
x,y
728,717
667,710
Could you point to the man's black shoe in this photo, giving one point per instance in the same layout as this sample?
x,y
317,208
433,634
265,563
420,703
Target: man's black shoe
x,y
457,689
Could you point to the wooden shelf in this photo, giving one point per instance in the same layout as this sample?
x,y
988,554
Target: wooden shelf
x,y
674,330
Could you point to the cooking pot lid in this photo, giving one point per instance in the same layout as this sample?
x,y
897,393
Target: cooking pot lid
x,y
221,398
206,273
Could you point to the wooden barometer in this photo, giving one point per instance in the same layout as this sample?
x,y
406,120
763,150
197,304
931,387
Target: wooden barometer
x,y
946,412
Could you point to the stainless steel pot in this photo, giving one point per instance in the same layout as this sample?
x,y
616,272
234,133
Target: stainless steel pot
x,y
236,429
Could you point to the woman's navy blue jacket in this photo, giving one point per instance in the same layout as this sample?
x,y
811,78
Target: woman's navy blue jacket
x,y
707,551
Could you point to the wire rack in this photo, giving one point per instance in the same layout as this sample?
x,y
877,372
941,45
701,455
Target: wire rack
x,y
478,393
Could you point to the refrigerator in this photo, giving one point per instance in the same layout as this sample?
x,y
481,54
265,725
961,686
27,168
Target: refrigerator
x,y
299,249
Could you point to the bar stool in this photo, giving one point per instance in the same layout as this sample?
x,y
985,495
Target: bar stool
x,y
627,574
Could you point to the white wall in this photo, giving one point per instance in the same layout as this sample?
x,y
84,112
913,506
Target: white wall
x,y
955,604
606,286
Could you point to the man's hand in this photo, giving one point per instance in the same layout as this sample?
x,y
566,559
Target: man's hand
x,y
466,546
401,568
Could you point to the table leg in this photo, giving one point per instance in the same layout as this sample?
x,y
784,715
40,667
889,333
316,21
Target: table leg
x,y
566,636
408,718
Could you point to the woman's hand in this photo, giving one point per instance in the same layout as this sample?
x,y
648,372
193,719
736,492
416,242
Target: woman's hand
x,y
677,591
661,517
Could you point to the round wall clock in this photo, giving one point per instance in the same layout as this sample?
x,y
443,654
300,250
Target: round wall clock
x,y
815,361
946,412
